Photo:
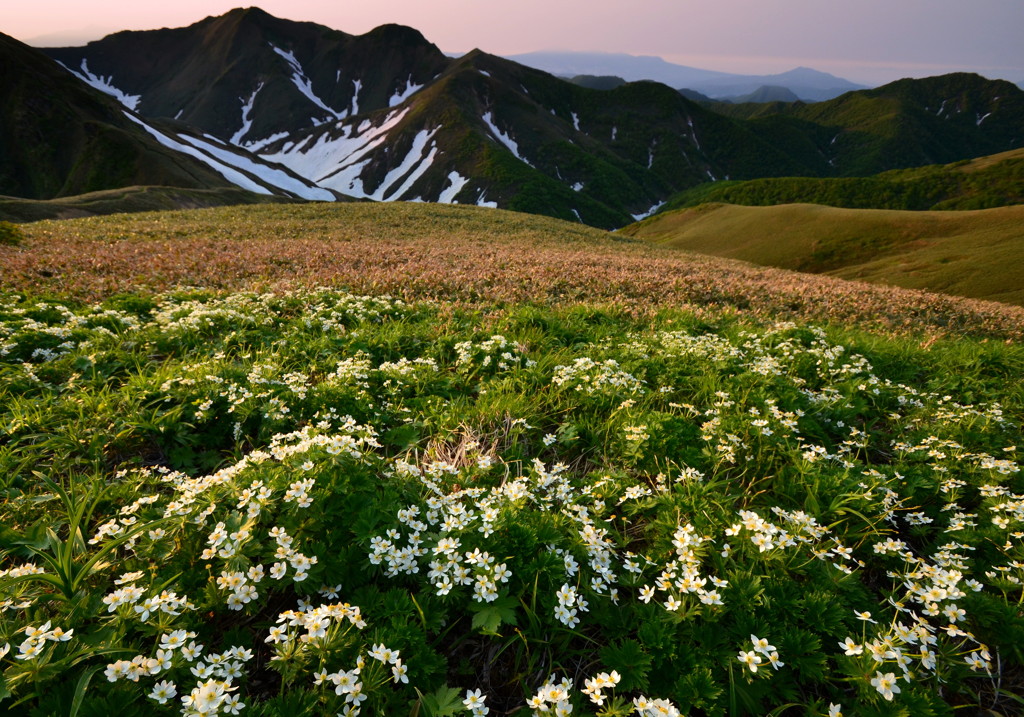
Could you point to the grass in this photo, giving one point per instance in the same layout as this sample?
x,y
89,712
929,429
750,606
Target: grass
x,y
467,255
971,253
310,502
123,200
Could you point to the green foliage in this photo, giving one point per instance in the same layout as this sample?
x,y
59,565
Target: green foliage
x,y
310,501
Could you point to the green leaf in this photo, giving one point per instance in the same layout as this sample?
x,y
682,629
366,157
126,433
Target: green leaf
x,y
441,702
83,684
490,616
628,658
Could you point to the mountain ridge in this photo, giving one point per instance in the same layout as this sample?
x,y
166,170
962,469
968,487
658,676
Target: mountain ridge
x,y
808,84
301,109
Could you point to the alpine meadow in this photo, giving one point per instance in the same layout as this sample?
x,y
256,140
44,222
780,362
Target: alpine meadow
x,y
343,376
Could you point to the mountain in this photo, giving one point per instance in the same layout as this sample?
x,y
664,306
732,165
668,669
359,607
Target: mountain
x,y
907,123
807,84
492,131
60,137
765,93
975,254
986,182
598,82
631,68
249,77
300,110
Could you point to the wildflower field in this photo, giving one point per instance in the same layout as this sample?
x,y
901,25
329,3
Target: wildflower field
x,y
311,501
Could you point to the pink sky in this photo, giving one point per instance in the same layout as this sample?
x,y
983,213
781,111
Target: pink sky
x,y
870,41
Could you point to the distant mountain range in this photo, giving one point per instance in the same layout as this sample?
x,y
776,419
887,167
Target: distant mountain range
x,y
807,84
298,110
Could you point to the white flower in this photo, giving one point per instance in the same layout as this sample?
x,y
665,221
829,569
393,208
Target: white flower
x,y
885,684
163,691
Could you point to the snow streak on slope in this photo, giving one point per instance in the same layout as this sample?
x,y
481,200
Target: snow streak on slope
x,y
505,139
457,182
233,167
414,162
401,96
104,84
358,84
229,173
273,176
246,116
303,84
649,212
336,162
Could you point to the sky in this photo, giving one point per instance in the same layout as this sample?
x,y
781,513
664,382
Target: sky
x,y
866,41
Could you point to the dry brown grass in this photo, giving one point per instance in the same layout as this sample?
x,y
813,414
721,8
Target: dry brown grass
x,y
464,254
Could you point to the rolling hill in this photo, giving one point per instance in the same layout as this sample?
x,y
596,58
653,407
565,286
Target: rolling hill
x,y
477,257
991,181
971,253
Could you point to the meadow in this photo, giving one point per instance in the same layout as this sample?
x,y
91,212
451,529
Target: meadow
x,y
438,460
964,253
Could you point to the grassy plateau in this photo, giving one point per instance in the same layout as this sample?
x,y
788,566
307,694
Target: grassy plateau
x,y
966,253
424,460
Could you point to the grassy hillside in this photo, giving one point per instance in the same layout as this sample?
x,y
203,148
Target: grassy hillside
x,y
992,181
126,200
971,253
466,254
588,475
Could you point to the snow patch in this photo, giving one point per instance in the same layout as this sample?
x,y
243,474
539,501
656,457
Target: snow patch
x,y
649,212
981,118
180,112
337,162
577,187
229,173
485,73
575,122
710,175
505,139
246,116
257,145
271,175
693,134
482,202
615,132
355,96
302,82
456,183
414,162
106,85
401,95
578,217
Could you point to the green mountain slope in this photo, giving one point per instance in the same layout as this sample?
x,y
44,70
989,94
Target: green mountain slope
x,y
976,254
991,181
531,142
907,123
59,137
